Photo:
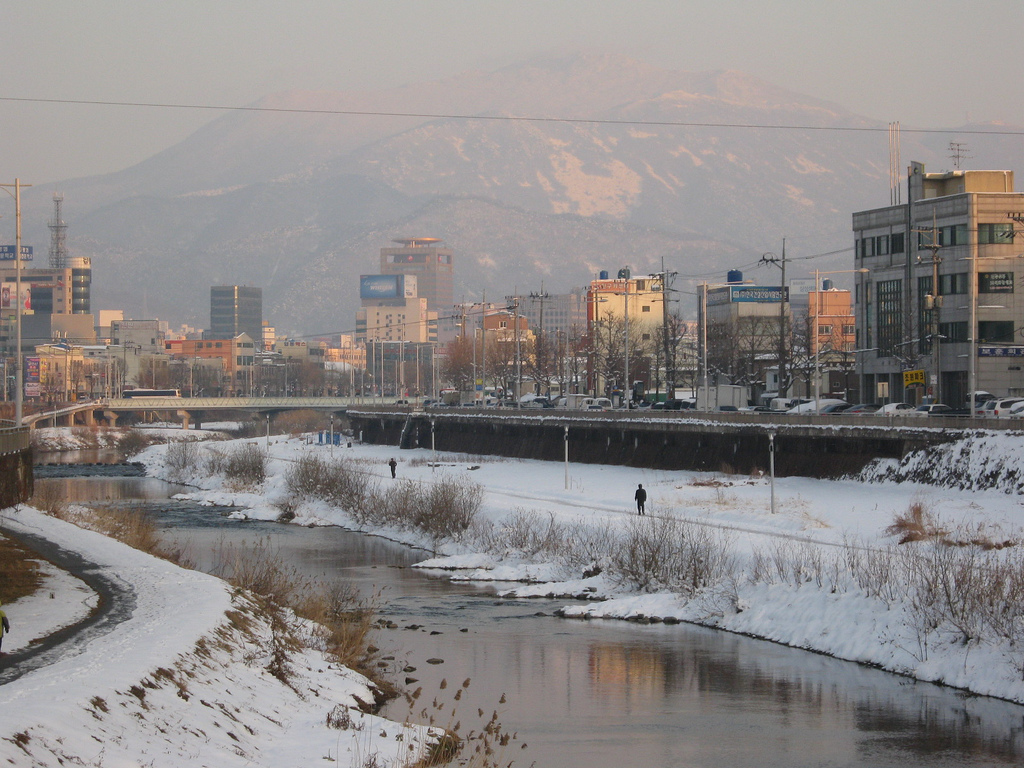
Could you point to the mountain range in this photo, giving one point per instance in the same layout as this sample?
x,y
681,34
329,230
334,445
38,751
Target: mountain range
x,y
546,171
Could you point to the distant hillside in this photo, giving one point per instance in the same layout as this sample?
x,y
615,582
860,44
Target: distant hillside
x,y
300,203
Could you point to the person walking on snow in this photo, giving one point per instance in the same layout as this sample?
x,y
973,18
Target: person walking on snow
x,y
641,498
393,464
5,625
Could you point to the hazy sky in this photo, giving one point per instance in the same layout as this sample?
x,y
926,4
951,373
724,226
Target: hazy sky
x,y
933,63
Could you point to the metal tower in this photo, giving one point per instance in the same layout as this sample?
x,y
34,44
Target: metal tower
x,y
58,236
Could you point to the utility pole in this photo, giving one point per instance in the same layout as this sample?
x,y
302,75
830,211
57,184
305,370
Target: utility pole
x,y
776,261
540,351
514,309
669,345
933,303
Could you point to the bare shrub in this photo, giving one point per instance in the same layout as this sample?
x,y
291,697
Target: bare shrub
x,y
260,569
528,532
645,552
344,621
246,466
50,498
396,505
587,545
337,482
214,462
665,552
182,459
134,441
452,504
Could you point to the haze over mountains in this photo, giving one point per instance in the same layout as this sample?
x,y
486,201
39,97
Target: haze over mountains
x,y
300,202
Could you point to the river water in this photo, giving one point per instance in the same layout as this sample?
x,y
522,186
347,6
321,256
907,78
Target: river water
x,y
605,693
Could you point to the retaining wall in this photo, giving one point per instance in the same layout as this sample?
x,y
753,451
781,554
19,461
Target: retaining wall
x,y
703,443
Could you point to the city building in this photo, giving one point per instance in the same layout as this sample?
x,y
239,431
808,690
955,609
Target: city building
x,y
748,329
431,265
624,316
392,310
936,310
236,309
236,358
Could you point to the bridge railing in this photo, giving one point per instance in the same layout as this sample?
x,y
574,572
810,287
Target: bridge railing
x,y
222,403
14,439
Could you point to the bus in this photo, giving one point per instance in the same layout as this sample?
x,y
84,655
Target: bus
x,y
151,393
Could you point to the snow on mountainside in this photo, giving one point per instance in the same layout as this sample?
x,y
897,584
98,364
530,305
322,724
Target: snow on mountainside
x,y
304,196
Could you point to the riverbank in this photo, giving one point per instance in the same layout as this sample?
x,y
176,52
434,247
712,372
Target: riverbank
x,y
824,571
197,673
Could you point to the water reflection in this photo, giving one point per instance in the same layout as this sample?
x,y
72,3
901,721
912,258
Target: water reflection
x,y
596,693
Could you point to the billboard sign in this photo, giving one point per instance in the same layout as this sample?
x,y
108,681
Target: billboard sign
x,y
1006,351
750,294
7,252
7,296
387,286
380,287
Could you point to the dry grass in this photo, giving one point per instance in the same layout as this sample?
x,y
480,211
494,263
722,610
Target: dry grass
x,y
916,524
19,571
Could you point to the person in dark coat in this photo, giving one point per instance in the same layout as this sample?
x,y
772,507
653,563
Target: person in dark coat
x,y
641,498
393,464
5,625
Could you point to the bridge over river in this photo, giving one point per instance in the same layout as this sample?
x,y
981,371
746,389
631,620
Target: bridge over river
x,y
188,409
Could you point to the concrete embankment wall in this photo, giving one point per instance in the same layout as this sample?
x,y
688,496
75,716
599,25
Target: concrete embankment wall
x,y
697,443
16,480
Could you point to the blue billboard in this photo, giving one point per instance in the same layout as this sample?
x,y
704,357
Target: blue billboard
x,y
379,287
7,252
387,286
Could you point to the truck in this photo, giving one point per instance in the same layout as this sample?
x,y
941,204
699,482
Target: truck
x,y
730,395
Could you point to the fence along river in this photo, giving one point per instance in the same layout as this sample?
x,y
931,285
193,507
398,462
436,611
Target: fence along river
x,y
604,693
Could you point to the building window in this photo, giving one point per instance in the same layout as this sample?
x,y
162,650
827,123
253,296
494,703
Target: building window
x,y
896,242
996,331
645,308
990,234
954,333
952,284
882,245
995,282
890,315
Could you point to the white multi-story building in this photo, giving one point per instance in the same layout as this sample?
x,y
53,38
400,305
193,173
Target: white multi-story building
x,y
936,310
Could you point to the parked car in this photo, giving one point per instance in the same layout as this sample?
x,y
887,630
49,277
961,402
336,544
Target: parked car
x,y
863,409
1000,409
812,406
931,409
836,408
895,409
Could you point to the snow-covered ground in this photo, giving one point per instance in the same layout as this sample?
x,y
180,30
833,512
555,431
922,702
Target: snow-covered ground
x,y
89,706
815,525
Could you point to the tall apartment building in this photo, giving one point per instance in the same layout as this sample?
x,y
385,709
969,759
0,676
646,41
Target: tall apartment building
x,y
433,267
236,309
937,314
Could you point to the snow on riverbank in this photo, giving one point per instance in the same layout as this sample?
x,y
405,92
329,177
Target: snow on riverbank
x,y
818,527
187,679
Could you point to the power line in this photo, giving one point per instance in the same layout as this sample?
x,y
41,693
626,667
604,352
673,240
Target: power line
x,y
500,118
